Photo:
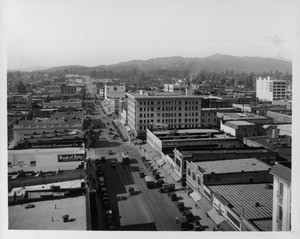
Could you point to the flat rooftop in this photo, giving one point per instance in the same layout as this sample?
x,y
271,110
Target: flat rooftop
x,y
161,95
186,131
243,116
40,217
272,144
239,123
233,166
74,150
243,198
66,184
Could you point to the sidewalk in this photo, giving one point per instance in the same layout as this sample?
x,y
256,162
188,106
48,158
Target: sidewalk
x,y
199,210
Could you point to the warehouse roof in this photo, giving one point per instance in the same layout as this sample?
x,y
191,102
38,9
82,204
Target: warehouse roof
x,y
252,201
232,166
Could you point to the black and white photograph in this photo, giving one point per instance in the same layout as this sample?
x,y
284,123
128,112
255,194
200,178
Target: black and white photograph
x,y
161,118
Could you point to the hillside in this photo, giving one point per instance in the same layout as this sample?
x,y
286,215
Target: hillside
x,y
217,63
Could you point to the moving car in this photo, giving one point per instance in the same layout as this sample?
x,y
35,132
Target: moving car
x,y
113,163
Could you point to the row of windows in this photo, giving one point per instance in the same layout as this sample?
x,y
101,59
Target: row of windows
x,y
187,102
190,114
193,175
168,108
169,126
169,120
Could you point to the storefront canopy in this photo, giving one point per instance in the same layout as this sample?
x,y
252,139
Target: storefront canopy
x,y
166,167
122,121
156,158
195,196
161,162
176,177
215,216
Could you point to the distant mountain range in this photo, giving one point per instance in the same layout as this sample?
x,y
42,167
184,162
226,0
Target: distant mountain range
x,y
216,63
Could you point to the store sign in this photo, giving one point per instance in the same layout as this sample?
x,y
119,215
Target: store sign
x,y
70,157
56,145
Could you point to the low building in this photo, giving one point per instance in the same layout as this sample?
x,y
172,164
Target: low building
x,y
62,104
241,129
260,109
19,102
114,91
182,156
230,171
280,116
50,203
67,90
209,115
35,127
246,207
281,144
249,117
162,143
282,196
45,159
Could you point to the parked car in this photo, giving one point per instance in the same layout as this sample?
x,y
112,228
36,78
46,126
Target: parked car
x,y
183,224
113,163
197,226
189,216
173,196
131,191
110,152
180,206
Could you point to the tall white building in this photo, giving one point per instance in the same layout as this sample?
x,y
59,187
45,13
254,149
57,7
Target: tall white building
x,y
114,91
270,89
281,197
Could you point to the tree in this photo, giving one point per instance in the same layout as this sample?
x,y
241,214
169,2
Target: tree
x,y
21,88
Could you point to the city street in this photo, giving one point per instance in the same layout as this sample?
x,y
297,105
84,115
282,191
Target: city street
x,y
148,209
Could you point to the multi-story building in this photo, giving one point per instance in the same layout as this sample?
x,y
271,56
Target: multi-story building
x,y
209,115
178,87
44,127
283,116
62,104
114,91
241,129
19,102
68,90
249,117
268,89
162,110
281,197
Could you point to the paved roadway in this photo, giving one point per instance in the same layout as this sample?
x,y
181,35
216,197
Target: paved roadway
x,y
148,209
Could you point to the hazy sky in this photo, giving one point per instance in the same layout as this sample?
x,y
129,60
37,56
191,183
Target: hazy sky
x,y
87,32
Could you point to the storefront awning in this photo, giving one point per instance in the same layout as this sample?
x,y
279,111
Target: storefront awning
x,y
122,121
176,177
153,153
226,226
170,171
128,128
161,162
166,167
156,158
196,196
215,216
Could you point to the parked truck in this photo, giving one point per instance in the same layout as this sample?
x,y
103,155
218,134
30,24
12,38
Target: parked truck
x,y
149,181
